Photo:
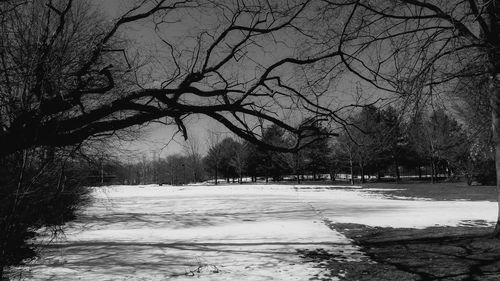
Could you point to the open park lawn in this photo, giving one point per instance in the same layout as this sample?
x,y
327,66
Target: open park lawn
x,y
464,252
277,232
439,191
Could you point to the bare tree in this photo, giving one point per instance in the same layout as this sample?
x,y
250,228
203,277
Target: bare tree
x,y
214,154
238,161
67,75
192,151
61,84
418,49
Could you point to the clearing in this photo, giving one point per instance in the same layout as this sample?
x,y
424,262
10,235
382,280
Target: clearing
x,y
237,232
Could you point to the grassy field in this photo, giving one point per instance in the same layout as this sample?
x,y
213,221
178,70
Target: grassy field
x,y
426,190
437,191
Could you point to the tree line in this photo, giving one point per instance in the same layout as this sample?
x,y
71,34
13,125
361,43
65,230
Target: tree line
x,y
378,144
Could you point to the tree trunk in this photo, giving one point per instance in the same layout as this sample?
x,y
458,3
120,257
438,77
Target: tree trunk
x,y
362,170
216,175
265,175
495,108
352,171
297,168
333,175
102,173
433,172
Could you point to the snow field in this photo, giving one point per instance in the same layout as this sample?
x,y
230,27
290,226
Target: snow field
x,y
248,232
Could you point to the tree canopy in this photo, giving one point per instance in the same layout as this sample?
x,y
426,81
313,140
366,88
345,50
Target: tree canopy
x,y
67,75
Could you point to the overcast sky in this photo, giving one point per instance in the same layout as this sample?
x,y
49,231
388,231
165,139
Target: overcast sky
x,y
157,139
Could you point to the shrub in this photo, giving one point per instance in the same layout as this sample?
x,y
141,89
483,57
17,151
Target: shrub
x,y
38,188
485,172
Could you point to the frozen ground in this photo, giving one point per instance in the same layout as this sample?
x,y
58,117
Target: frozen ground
x,y
249,232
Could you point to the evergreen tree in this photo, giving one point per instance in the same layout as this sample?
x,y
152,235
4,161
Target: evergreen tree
x,y
316,156
272,163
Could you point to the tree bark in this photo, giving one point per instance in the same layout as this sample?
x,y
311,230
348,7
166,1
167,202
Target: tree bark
x,y
495,108
492,37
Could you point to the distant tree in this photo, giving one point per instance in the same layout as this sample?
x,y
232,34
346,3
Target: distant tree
x,y
274,164
253,160
343,148
227,158
297,164
440,140
375,142
239,160
336,164
364,135
316,156
229,149
174,170
214,155
191,150
391,140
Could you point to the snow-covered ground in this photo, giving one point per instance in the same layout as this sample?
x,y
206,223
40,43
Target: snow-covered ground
x,y
249,232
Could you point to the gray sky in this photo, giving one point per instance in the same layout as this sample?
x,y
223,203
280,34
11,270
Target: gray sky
x,y
161,140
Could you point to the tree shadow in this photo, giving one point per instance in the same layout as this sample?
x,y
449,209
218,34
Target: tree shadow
x,y
436,253
167,259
